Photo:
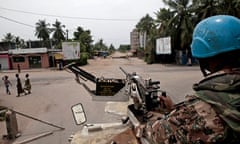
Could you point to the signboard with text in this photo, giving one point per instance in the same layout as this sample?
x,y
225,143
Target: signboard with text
x,y
163,45
71,50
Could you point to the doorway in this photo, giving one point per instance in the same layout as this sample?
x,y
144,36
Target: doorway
x,y
34,61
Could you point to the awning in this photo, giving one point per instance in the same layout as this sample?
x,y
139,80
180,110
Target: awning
x,y
58,56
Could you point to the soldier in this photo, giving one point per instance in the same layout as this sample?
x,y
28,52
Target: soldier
x,y
212,114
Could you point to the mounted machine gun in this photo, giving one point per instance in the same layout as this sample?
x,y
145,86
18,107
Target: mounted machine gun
x,y
145,94
105,88
143,91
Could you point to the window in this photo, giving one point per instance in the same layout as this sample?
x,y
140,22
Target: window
x,y
18,59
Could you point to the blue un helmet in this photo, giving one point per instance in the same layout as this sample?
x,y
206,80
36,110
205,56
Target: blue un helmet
x,y
215,35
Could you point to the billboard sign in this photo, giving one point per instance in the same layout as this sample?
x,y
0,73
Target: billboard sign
x,y
163,45
71,50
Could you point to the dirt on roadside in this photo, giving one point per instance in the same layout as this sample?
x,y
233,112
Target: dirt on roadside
x,y
4,140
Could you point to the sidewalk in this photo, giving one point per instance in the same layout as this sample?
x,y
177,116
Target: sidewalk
x,y
28,70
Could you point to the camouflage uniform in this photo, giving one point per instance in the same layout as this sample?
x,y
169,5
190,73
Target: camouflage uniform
x,y
210,116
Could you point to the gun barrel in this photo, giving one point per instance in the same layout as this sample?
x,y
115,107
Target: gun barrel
x,y
75,69
123,71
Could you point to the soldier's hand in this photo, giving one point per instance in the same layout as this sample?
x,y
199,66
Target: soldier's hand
x,y
166,103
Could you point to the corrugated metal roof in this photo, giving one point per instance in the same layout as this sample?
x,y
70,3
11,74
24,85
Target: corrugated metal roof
x,y
28,51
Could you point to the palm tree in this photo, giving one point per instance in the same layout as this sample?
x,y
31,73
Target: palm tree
x,y
230,7
180,19
181,24
163,22
78,33
236,6
8,38
43,31
19,42
146,27
206,8
58,32
178,22
145,24
15,40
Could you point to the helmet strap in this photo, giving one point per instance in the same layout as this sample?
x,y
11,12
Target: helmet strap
x,y
204,70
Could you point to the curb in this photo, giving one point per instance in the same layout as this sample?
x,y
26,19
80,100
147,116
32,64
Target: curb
x,y
27,70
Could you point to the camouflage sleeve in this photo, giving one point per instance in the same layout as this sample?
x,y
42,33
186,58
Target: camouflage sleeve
x,y
194,123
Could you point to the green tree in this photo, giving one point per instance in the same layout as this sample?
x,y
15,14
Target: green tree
x,y
206,8
42,32
9,37
19,42
15,40
145,24
235,8
124,48
77,33
100,46
85,38
181,24
111,49
58,32
179,20
229,7
147,27
151,46
163,17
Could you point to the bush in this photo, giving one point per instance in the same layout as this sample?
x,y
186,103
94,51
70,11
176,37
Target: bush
x,y
82,61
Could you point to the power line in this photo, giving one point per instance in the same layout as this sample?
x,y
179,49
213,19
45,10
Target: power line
x,y
12,20
69,17
15,21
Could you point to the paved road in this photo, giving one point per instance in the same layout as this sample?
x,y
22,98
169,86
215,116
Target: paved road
x,y
54,92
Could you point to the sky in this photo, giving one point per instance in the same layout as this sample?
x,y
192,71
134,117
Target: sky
x,y
110,20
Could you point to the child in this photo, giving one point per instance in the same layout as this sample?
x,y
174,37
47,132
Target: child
x,y
19,86
27,85
7,83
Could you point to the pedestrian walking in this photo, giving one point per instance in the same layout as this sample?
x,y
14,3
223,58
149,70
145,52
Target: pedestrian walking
x,y
7,83
19,86
27,85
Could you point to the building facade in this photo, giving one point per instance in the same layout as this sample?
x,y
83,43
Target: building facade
x,y
29,58
134,40
4,60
